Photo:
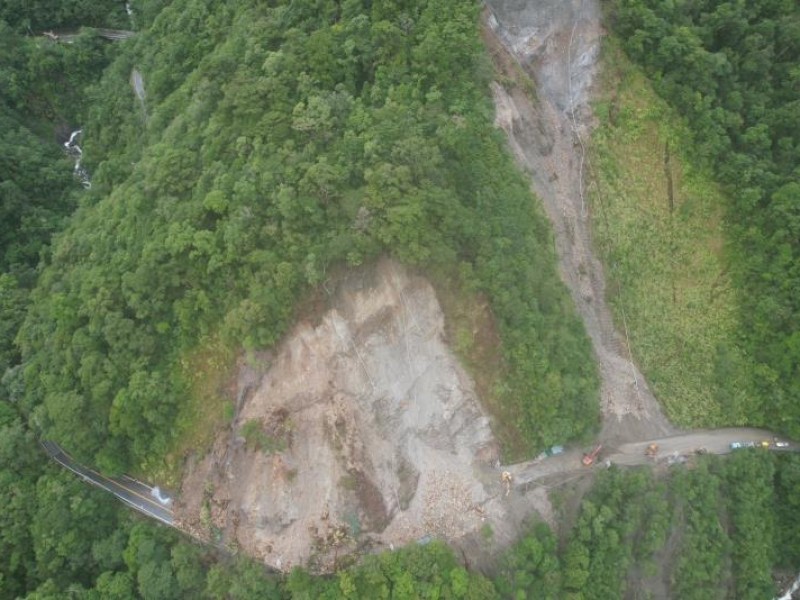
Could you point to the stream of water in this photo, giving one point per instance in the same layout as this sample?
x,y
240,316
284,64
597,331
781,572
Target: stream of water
x,y
129,10
74,150
795,586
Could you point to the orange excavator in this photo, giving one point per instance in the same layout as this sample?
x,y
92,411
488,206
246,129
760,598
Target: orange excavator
x,y
588,459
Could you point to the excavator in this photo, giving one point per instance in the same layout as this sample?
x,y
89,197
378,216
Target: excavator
x,y
588,459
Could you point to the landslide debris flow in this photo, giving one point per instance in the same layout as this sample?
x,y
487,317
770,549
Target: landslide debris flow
x,y
555,44
360,432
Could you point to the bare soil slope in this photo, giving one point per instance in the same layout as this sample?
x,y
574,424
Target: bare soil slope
x,y
556,44
372,436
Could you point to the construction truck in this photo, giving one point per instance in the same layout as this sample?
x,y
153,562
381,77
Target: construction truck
x,y
591,457
651,450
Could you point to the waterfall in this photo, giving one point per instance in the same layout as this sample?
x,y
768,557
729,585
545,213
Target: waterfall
x,y
129,10
791,590
74,150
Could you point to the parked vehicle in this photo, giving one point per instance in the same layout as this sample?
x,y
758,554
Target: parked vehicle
x,y
737,445
554,450
551,451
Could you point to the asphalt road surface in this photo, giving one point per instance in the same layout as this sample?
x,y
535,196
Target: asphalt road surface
x,y
134,493
714,441
566,466
554,470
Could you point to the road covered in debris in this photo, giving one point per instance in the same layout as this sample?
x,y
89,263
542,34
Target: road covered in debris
x,y
670,450
712,441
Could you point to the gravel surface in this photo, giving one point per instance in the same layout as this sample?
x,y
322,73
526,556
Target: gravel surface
x,y
560,469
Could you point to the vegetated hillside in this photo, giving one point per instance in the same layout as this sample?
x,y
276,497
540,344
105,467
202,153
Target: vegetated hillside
x,y
658,223
61,538
276,141
50,521
41,94
731,69
25,16
714,530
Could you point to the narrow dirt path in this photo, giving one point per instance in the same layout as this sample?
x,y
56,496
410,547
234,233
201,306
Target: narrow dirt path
x,y
555,45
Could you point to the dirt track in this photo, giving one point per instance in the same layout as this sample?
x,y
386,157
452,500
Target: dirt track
x,y
715,441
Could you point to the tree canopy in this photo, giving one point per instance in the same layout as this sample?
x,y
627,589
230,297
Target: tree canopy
x,y
274,142
732,69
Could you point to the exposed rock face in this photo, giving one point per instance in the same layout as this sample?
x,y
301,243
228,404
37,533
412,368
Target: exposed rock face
x,y
558,39
373,435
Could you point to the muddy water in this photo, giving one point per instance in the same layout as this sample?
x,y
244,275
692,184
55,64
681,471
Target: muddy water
x,y
557,44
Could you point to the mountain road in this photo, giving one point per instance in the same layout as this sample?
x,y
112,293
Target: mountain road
x,y
135,494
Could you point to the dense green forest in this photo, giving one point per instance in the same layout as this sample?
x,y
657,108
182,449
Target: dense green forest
x,y
41,96
275,142
731,68
714,530
280,140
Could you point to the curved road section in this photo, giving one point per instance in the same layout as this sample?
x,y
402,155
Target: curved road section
x,y
139,496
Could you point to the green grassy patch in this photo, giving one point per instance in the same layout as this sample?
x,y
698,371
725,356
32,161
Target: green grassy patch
x,y
659,227
256,438
208,405
472,334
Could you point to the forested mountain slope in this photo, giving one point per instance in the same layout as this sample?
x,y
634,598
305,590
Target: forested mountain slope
x,y
41,95
731,68
717,529
276,141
